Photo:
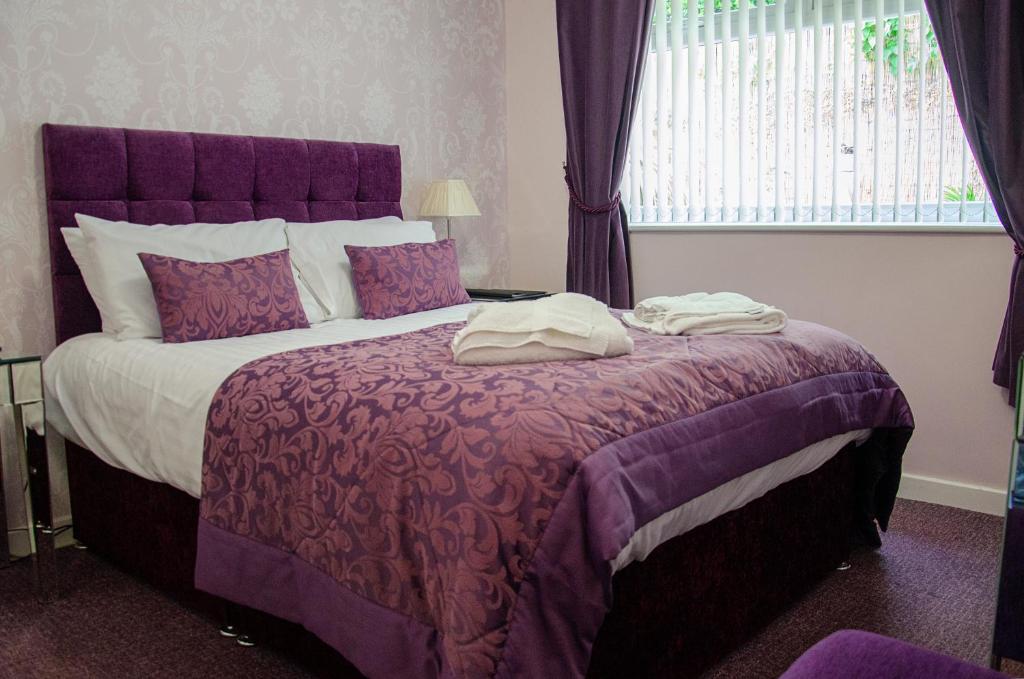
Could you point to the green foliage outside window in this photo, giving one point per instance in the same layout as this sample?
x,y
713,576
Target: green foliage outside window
x,y
890,54
953,194
890,47
718,4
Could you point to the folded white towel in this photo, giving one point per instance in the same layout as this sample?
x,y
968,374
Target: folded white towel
x,y
562,327
695,304
652,308
699,313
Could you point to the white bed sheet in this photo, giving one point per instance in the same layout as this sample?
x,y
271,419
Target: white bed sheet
x,y
141,405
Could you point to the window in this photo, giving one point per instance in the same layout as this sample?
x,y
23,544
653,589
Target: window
x,y
793,111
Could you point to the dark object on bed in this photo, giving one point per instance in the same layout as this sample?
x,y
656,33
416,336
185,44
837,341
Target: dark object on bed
x,y
757,558
676,614
852,654
497,295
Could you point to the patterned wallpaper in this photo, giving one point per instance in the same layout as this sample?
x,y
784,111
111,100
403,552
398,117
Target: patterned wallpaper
x,y
425,74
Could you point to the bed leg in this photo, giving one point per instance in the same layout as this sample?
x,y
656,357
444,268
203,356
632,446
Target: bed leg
x,y
245,640
229,615
232,629
844,566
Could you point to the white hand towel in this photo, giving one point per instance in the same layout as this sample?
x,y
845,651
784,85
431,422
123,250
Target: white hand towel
x,y
569,313
695,304
702,314
562,327
653,308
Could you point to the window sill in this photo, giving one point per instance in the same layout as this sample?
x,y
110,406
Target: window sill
x,y
821,227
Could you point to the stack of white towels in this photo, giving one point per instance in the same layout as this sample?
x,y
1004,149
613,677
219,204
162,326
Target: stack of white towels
x,y
563,327
700,313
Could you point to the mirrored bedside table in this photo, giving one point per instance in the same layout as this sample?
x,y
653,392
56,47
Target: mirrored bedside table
x,y
1008,633
21,396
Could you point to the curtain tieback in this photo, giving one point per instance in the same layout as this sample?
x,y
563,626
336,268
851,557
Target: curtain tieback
x,y
1017,249
589,209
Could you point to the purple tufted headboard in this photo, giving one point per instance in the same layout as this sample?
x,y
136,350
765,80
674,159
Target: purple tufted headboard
x,y
151,177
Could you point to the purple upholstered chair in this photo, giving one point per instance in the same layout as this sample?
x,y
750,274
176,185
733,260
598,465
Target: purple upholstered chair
x,y
852,654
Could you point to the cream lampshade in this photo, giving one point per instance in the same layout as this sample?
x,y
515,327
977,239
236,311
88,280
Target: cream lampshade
x,y
449,198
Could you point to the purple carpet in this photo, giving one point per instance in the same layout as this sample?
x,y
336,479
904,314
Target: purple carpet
x,y
932,584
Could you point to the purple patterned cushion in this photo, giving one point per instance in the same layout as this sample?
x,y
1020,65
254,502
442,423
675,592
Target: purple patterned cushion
x,y
402,279
213,300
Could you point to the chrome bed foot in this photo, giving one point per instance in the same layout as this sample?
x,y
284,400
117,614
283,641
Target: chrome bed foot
x,y
844,566
233,631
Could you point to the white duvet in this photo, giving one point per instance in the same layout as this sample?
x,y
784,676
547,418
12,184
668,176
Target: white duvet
x,y
140,405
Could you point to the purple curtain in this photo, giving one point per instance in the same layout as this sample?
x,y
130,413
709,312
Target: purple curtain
x,y
602,46
982,43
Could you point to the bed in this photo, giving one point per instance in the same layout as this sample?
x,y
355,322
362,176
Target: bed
x,y
773,504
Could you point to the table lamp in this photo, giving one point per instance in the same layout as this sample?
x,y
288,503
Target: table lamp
x,y
449,198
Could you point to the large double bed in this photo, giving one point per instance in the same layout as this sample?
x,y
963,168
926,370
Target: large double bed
x,y
636,516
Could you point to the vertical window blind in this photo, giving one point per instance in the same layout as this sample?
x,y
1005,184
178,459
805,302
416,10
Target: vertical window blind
x,y
798,111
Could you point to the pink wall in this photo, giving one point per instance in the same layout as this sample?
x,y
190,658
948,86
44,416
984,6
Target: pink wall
x,y
928,305
427,76
537,203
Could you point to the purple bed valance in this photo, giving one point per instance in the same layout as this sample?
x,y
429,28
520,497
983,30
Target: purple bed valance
x,y
153,177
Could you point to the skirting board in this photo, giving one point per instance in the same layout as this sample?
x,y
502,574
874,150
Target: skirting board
x,y
953,494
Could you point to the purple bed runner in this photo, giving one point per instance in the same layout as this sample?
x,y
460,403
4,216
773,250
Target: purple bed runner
x,y
434,520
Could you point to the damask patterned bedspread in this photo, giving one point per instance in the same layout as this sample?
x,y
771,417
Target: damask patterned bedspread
x,y
428,519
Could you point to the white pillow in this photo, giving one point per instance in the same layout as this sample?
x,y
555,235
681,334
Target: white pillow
x,y
318,250
75,240
120,287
